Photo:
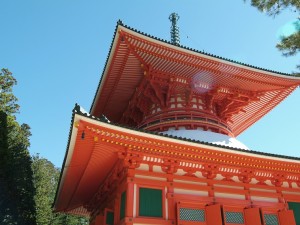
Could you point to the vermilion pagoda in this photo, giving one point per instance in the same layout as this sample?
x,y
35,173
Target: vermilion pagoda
x,y
168,153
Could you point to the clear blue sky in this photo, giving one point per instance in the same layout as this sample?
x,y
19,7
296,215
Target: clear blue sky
x,y
56,49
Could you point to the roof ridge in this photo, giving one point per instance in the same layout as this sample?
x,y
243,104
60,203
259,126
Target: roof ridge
x,y
206,53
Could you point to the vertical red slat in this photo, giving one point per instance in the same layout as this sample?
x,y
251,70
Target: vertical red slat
x,y
286,217
252,216
213,215
129,200
99,220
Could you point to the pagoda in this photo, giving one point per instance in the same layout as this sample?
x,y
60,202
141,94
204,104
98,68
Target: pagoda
x,y
159,143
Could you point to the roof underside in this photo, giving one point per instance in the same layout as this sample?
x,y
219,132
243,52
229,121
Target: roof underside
x,y
133,53
86,165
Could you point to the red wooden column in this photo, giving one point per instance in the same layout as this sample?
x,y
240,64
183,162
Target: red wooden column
x,y
99,220
171,202
213,215
286,217
129,198
252,216
117,208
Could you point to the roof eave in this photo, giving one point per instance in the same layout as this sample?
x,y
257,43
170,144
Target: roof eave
x,y
106,67
177,47
67,156
198,143
208,55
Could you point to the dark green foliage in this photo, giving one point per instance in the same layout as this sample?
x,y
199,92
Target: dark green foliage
x,y
17,191
65,219
45,182
21,200
274,7
289,45
8,102
3,143
46,178
20,173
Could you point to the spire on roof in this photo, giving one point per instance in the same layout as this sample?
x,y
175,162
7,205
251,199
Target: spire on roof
x,y
174,17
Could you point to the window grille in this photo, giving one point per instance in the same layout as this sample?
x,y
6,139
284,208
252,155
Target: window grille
x,y
234,217
192,214
271,219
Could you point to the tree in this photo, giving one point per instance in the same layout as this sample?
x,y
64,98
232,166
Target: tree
x,y
274,7
289,45
8,101
46,177
17,190
27,185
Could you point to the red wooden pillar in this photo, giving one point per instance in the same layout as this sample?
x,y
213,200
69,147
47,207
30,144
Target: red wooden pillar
x,y
171,202
99,220
252,216
286,217
213,215
129,203
117,208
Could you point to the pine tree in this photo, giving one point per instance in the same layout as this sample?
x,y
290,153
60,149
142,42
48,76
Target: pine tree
x,y
275,7
289,45
46,177
17,190
8,101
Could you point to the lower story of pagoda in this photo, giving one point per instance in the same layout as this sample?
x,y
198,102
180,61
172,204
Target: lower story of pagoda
x,y
120,176
136,193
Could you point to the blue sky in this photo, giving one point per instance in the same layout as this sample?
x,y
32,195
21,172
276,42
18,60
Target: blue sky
x,y
57,49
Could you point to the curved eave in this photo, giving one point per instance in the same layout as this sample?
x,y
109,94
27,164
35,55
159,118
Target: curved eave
x,y
191,142
88,162
204,54
106,67
116,88
120,25
66,158
57,205
85,166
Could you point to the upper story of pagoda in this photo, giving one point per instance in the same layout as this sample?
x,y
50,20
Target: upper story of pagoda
x,y
154,85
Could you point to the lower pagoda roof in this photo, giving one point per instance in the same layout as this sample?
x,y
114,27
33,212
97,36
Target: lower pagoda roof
x,y
95,145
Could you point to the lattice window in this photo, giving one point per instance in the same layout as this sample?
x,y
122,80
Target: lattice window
x,y
192,214
271,219
234,217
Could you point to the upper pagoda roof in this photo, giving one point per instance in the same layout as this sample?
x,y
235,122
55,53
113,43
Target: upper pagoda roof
x,y
134,54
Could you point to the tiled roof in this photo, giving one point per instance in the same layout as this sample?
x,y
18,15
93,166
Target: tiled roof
x,y
202,52
103,119
183,47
